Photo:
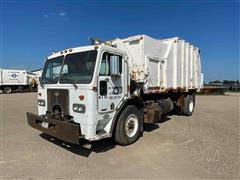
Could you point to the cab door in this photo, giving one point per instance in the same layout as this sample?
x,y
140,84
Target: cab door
x,y
110,82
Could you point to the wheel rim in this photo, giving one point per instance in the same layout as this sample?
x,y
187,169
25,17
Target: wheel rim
x,y
190,106
131,126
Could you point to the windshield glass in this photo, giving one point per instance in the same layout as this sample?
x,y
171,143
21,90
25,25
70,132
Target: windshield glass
x,y
52,70
78,68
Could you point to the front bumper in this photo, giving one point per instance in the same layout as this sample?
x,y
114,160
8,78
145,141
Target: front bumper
x,y
63,130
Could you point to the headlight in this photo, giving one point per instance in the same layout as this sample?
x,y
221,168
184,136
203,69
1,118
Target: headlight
x,y
41,102
80,108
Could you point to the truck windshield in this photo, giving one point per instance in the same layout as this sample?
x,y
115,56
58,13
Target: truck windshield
x,y
52,70
76,68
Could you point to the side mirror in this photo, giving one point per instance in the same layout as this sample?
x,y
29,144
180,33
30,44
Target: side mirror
x,y
114,66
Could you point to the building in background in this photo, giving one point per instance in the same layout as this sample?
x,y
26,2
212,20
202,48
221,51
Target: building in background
x,y
38,72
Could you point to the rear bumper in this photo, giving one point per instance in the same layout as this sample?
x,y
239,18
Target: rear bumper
x,y
63,130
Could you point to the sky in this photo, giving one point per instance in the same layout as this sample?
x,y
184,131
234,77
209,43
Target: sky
x,y
31,30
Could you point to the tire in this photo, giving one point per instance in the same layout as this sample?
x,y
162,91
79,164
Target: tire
x,y
129,126
7,89
189,105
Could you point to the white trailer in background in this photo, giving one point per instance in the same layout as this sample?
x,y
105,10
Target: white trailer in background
x,y
111,89
11,80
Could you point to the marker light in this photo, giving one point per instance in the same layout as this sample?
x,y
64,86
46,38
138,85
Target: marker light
x,y
81,97
94,88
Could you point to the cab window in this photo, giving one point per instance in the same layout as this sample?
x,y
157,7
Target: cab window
x,y
105,64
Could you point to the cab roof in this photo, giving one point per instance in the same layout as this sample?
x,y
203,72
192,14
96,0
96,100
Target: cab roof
x,y
84,48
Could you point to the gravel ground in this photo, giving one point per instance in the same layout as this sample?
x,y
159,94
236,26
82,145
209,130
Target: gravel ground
x,y
205,145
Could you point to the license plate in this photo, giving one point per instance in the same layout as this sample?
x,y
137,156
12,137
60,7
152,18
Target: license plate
x,y
45,125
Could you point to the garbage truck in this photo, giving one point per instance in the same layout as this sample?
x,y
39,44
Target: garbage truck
x,y
110,89
12,80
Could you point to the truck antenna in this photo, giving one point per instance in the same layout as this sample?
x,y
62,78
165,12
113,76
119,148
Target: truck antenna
x,y
95,41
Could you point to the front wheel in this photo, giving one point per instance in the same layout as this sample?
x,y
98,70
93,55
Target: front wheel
x,y
189,105
129,126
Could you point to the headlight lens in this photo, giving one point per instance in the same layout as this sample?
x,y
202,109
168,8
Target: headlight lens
x,y
80,108
41,102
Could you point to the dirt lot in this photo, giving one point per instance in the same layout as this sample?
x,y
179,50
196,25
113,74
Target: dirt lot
x,y
205,145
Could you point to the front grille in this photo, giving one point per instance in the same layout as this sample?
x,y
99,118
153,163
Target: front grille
x,y
58,98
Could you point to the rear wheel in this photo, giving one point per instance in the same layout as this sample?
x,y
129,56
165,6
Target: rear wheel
x,y
129,126
7,89
189,104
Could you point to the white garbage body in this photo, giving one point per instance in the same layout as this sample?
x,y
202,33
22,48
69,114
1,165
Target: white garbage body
x,y
13,77
17,77
162,65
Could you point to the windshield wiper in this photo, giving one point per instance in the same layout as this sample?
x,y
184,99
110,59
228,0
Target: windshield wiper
x,y
72,81
47,81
